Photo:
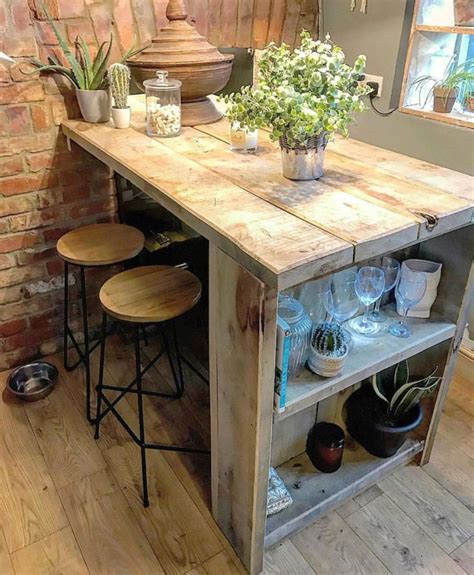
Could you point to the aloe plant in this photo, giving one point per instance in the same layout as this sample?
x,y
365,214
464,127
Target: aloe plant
x,y
399,393
86,72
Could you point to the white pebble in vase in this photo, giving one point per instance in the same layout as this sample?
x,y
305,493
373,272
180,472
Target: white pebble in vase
x,y
432,273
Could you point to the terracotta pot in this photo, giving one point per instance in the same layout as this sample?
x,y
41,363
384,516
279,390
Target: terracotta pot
x,y
464,13
94,105
469,104
444,99
121,117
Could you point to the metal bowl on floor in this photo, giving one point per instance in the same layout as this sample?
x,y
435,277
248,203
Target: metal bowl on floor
x,y
33,381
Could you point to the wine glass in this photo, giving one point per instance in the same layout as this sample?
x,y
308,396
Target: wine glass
x,y
312,296
409,291
369,286
341,299
391,270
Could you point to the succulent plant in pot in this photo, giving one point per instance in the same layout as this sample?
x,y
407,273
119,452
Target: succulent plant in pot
x,y
306,96
382,412
328,349
119,80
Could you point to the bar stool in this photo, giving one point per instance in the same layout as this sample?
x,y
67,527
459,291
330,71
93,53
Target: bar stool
x,y
95,245
146,295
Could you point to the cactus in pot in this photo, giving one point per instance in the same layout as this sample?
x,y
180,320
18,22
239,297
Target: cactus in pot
x,y
119,80
329,349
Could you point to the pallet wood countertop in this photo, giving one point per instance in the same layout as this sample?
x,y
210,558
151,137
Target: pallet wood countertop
x,y
369,201
267,234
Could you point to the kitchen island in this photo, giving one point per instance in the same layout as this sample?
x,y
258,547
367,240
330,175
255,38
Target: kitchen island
x,y
268,234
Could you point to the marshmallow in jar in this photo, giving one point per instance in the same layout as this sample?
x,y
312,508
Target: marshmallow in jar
x,y
163,105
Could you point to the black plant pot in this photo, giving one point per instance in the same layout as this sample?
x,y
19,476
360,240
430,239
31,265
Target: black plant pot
x,y
366,423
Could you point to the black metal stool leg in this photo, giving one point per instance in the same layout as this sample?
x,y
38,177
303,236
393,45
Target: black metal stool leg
x,y
178,359
99,388
86,345
177,375
140,415
66,312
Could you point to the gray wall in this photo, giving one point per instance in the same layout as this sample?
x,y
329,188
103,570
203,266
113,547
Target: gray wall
x,y
381,35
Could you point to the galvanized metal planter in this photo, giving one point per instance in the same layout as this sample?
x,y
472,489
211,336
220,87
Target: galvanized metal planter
x,y
303,162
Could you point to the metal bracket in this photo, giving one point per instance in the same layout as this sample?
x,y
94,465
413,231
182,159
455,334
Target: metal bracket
x,y
431,220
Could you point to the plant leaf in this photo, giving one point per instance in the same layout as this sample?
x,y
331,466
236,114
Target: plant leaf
x,y
83,48
378,387
402,373
101,68
55,68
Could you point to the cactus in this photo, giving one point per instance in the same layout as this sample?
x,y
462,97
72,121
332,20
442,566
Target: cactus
x,y
328,339
399,394
119,79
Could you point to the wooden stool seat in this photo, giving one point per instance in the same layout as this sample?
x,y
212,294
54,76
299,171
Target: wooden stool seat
x,y
100,244
150,294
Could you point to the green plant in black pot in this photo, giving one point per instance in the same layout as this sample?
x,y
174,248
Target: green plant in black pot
x,y
382,412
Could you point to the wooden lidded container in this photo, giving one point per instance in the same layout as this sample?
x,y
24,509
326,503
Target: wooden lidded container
x,y
186,56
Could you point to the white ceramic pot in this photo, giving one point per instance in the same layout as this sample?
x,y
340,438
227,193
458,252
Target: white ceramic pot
x,y
94,105
432,273
326,365
121,117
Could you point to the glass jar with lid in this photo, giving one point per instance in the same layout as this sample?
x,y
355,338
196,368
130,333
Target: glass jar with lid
x,y
300,326
163,105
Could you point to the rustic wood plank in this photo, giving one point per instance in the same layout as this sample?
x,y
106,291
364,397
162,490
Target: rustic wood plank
x,y
67,445
268,241
30,507
6,565
243,318
433,508
464,556
366,358
244,33
458,426
228,27
315,493
289,31
352,505
276,21
105,528
398,541
261,19
214,21
450,467
330,546
218,565
57,553
285,559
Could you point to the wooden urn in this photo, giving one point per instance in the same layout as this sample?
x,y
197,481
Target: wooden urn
x,y
187,56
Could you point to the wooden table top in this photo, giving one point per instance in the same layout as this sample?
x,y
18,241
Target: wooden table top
x,y
369,201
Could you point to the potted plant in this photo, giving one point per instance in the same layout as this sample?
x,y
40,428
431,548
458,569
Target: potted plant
x,y
306,96
119,80
382,412
457,80
328,349
87,74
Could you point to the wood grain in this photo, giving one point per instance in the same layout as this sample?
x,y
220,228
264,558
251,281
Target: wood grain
x,y
285,559
55,554
105,528
218,565
440,514
464,556
6,565
330,546
396,539
30,508
351,506
101,244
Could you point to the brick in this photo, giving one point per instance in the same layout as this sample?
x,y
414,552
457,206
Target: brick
x,y
55,267
5,77
29,183
45,32
146,25
99,207
29,338
21,92
32,256
4,226
47,198
16,205
40,117
12,327
3,17
33,220
10,295
71,8
83,28
20,15
17,357
19,120
102,20
15,242
20,46
37,304
20,72
6,261
124,17
37,6
48,318
75,193
33,143
53,235
3,124
42,160
10,167
65,109
19,275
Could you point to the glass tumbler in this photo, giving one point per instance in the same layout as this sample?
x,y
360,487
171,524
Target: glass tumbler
x,y
300,326
163,106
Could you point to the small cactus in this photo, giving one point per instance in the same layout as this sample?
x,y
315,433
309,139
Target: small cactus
x,y
328,339
119,79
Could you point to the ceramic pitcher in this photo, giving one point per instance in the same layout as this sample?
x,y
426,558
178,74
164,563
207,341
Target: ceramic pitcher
x,y
432,273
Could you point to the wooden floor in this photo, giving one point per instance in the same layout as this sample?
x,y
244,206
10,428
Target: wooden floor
x,y
71,505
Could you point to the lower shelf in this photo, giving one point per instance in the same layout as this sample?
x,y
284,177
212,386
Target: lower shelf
x,y
315,493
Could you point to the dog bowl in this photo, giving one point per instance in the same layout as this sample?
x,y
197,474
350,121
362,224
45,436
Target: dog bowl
x,y
33,381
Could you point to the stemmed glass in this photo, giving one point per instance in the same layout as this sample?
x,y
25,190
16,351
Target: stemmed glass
x,y
409,291
341,299
312,297
391,270
369,286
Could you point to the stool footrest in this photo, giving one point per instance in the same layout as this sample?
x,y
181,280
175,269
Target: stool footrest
x,y
144,391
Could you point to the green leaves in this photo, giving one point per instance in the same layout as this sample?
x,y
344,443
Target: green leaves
x,y
301,93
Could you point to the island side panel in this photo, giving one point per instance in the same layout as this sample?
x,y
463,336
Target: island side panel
x,y
242,366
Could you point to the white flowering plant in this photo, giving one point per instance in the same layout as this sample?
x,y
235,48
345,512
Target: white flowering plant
x,y
303,93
